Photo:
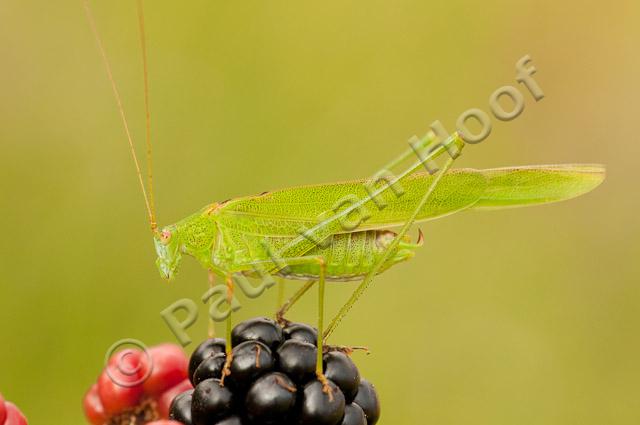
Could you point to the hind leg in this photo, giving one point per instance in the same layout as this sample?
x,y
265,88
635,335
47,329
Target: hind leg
x,y
362,287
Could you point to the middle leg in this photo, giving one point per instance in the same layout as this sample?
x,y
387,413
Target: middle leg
x,y
286,306
322,272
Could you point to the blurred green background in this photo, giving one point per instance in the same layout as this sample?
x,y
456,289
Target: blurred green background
x,y
526,316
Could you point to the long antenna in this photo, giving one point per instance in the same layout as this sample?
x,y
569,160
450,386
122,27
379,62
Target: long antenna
x,y
116,93
143,45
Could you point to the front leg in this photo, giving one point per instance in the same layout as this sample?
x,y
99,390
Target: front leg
x,y
226,370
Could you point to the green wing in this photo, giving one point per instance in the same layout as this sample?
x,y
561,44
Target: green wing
x,y
287,212
540,184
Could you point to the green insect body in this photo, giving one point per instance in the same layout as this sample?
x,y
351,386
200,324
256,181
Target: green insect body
x,y
337,231
233,236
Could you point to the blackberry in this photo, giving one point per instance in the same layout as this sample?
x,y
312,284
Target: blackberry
x,y
367,398
354,415
231,420
273,381
320,408
211,402
250,360
206,349
166,399
211,367
298,360
260,329
339,368
181,408
271,399
301,332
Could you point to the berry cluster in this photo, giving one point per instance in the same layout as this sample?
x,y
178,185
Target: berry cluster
x,y
271,379
138,387
10,414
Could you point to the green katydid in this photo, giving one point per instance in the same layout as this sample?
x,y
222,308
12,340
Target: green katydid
x,y
299,233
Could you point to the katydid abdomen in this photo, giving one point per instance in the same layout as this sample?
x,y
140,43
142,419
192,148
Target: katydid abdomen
x,y
350,256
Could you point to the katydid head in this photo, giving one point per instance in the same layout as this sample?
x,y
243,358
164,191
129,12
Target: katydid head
x,y
168,248
194,236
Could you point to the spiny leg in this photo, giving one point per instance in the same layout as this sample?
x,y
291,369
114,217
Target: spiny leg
x,y
322,264
285,307
281,293
392,246
319,369
226,370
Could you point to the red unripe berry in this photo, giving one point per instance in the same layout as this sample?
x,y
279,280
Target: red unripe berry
x,y
14,415
164,401
3,410
93,409
138,381
120,384
169,368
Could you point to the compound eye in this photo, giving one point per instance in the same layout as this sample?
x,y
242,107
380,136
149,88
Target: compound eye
x,y
165,235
